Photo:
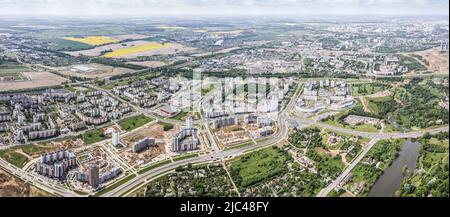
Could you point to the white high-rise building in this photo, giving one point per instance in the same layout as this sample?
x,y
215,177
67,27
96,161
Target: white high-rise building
x,y
115,138
20,119
189,122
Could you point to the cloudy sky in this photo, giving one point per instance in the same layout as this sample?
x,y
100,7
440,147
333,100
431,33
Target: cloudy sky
x,y
223,7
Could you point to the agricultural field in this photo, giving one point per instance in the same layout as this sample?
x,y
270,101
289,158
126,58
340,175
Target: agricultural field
x,y
437,61
93,40
133,49
11,67
137,49
12,71
134,122
34,80
61,44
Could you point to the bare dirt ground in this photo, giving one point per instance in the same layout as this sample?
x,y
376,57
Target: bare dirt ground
x,y
150,64
153,131
35,80
144,156
12,187
438,62
380,94
100,71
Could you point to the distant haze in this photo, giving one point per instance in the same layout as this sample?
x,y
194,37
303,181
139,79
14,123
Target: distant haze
x,y
222,7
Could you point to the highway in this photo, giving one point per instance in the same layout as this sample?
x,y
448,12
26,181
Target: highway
x,y
50,186
397,135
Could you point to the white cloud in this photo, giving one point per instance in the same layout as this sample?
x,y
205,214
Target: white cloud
x,y
225,7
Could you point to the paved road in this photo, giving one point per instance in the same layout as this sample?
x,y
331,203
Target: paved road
x,y
324,192
398,135
50,186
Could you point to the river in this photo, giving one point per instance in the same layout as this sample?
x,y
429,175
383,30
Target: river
x,y
392,178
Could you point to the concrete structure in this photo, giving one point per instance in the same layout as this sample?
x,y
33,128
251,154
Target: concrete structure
x,y
181,143
223,122
94,176
115,138
264,121
143,144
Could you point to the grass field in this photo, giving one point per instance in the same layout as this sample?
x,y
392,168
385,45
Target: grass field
x,y
14,158
61,44
376,104
34,149
186,156
368,89
153,166
12,69
180,116
360,127
257,166
325,164
93,40
115,185
137,49
93,136
206,90
134,122
111,85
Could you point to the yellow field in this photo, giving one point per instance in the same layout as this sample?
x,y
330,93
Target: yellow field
x,y
201,30
137,49
232,32
93,40
171,27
